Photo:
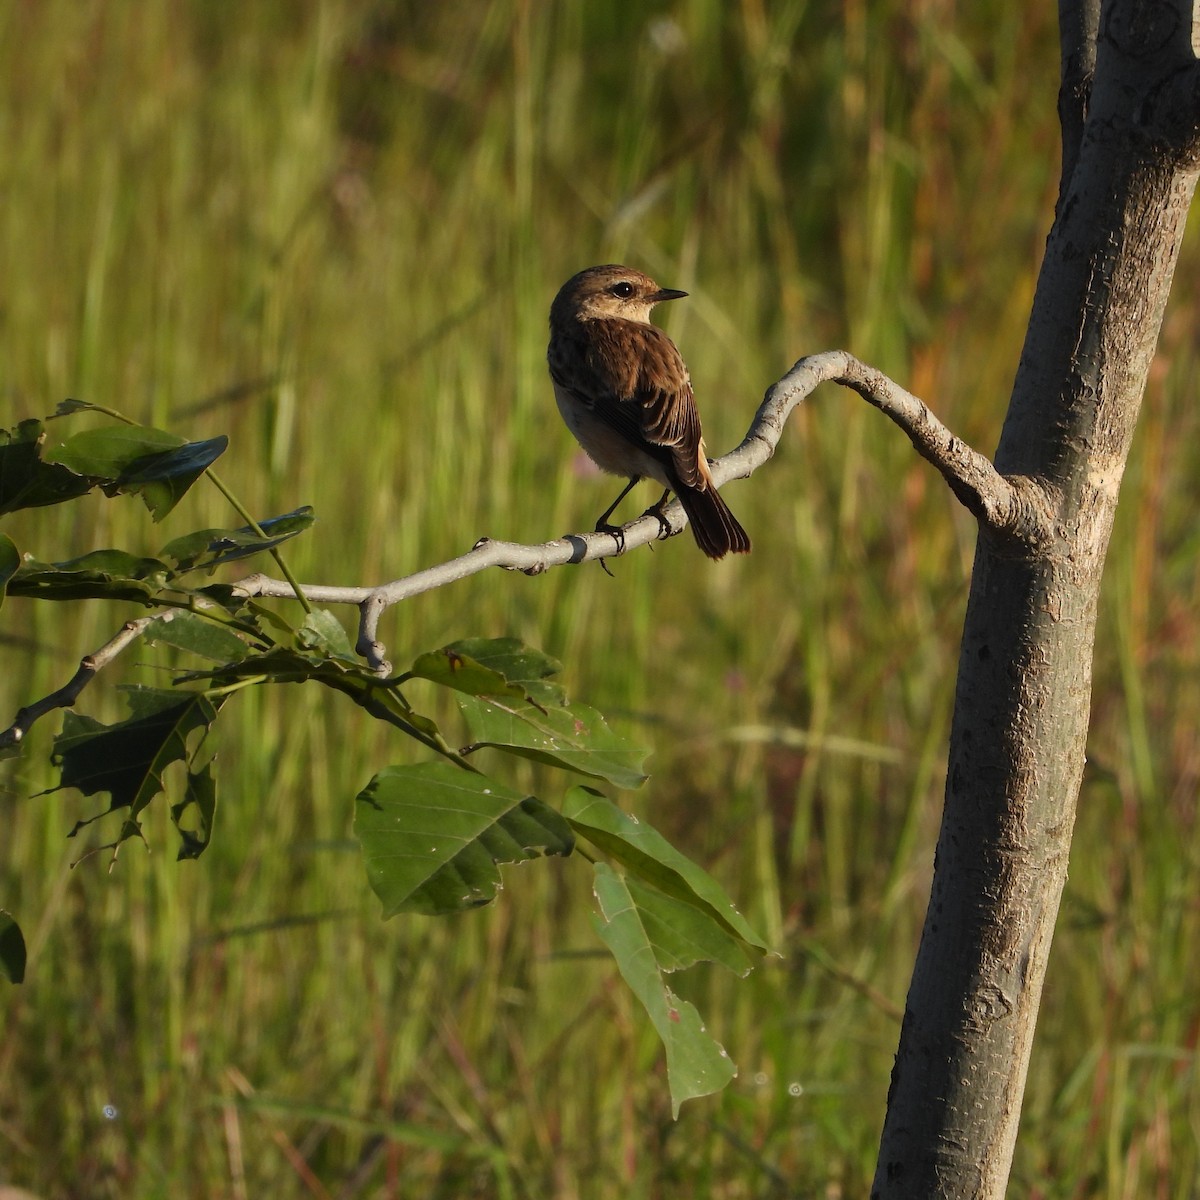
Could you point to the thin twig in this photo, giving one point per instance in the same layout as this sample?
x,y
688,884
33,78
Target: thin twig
x,y
89,667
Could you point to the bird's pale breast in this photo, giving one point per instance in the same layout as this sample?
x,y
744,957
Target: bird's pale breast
x,y
607,448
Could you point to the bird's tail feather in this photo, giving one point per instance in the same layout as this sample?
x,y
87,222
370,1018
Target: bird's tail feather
x,y
716,530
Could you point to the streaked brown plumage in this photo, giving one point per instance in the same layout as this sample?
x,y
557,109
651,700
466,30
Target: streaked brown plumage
x,y
624,392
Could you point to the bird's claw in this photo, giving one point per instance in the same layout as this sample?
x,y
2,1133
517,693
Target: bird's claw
x,y
618,535
664,526
616,532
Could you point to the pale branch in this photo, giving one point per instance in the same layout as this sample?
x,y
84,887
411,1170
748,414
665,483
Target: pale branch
x,y
1013,507
89,667
1010,506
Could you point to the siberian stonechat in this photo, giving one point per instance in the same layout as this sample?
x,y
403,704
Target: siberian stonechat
x,y
624,392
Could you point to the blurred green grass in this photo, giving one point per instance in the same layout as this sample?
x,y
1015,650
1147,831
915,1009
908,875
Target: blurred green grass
x,y
332,230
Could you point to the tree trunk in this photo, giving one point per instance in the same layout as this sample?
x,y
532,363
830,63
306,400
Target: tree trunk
x,y
1024,682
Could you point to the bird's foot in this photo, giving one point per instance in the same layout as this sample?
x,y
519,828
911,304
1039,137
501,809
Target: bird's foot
x,y
656,511
617,532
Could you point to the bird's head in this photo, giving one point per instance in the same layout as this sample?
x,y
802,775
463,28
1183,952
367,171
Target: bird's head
x,y
601,293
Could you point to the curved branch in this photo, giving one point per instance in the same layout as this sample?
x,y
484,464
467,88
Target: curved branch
x,y
1013,507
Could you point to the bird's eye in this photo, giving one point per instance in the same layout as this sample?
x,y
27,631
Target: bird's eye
x,y
623,289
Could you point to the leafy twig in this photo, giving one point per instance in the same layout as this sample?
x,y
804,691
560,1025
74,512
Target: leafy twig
x,y
1012,507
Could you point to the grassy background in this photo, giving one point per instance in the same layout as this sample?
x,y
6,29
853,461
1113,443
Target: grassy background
x,y
333,230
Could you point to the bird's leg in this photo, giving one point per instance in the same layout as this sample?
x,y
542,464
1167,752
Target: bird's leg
x,y
656,511
602,525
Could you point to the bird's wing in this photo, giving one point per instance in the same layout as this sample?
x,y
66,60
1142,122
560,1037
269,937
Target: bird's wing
x,y
640,387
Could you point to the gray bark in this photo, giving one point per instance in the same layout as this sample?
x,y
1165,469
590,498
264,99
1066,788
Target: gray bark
x,y
1129,116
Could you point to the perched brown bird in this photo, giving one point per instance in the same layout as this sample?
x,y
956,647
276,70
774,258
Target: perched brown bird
x,y
624,392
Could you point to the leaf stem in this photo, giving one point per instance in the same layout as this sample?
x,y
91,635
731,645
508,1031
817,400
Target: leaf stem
x,y
244,513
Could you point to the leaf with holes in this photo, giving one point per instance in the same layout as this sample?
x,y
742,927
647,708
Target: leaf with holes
x,y
26,481
128,759
201,795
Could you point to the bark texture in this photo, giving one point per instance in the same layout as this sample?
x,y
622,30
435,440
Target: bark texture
x,y
1129,118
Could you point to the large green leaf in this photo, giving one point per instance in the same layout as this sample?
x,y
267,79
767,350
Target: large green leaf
x,y
683,935
572,736
128,759
433,834
12,949
697,1065
645,852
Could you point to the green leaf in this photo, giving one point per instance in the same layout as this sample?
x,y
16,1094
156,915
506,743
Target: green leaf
x,y
645,852
325,662
464,674
162,479
107,452
572,736
140,460
509,704
28,482
683,935
198,635
209,548
697,1065
102,574
128,759
323,631
12,949
518,663
10,561
493,667
201,794
433,834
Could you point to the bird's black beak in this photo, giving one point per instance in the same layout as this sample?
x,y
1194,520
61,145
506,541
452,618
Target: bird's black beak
x,y
666,294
